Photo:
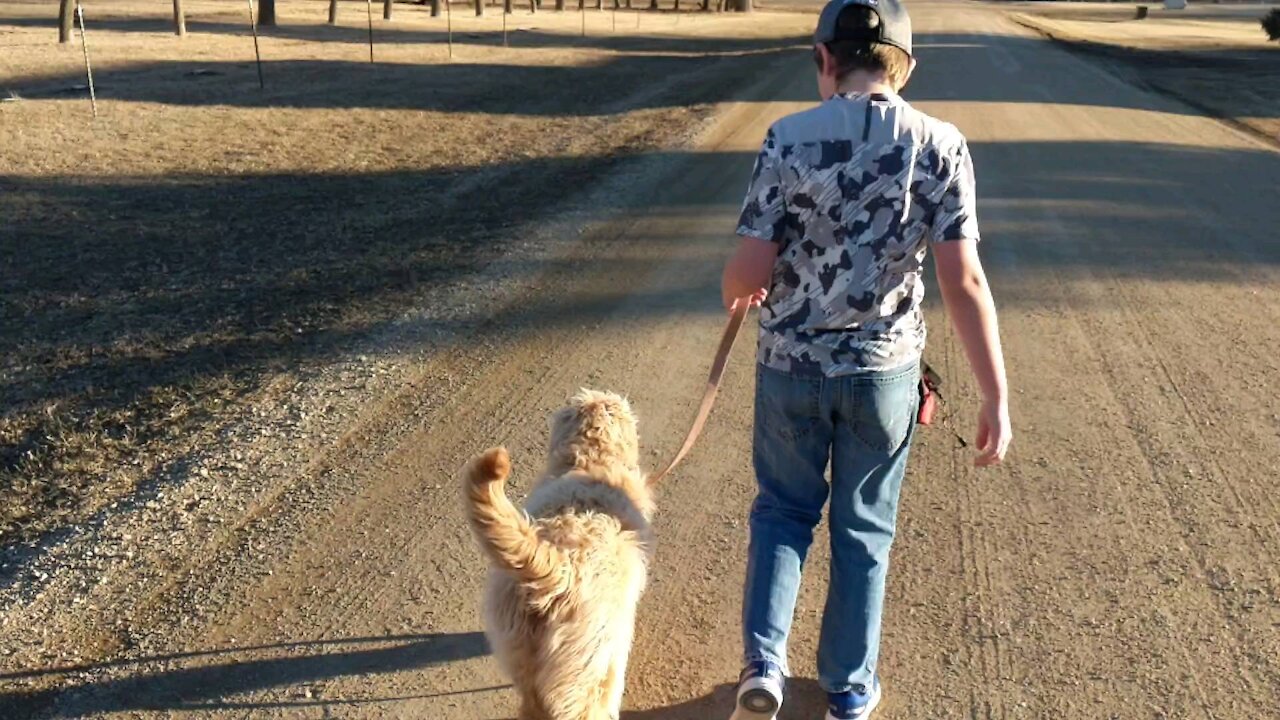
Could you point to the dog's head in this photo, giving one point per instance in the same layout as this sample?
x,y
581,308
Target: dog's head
x,y
594,432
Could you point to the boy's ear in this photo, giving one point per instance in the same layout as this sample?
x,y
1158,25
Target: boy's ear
x,y
911,68
826,62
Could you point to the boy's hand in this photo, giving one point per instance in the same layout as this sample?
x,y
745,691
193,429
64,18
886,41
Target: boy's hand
x,y
995,432
755,299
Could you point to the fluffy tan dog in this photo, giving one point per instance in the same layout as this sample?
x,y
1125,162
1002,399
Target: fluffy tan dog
x,y
566,577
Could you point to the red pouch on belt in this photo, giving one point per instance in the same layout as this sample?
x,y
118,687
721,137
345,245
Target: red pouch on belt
x,y
928,395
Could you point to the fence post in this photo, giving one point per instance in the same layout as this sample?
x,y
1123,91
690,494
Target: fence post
x,y
66,20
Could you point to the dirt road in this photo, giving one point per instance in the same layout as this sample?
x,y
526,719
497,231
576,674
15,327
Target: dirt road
x,y
1123,565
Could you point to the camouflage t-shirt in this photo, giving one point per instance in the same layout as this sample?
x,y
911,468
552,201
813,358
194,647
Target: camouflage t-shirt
x,y
852,191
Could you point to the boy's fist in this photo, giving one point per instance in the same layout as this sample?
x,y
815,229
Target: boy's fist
x,y
995,432
755,299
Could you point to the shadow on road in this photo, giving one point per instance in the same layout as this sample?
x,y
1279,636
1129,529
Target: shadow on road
x,y
804,700
176,289
205,680
513,89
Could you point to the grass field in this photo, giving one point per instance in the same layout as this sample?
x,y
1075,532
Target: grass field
x,y
166,267
1215,57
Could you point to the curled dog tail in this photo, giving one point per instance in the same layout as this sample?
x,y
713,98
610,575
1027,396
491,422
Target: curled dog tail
x,y
504,532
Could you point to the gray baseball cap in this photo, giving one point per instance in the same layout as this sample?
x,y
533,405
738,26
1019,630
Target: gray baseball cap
x,y
894,28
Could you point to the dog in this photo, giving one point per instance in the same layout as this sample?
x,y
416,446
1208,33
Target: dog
x,y
567,574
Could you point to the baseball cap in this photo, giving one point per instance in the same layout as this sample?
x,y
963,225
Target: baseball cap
x,y
894,27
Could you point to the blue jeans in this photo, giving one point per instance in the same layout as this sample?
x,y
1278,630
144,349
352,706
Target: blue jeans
x,y
863,425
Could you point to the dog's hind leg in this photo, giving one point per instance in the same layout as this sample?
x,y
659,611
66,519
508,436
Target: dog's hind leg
x,y
614,684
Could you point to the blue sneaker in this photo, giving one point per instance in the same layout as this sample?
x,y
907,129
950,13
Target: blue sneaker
x,y
759,691
854,705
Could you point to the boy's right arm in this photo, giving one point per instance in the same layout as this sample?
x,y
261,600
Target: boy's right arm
x,y
973,314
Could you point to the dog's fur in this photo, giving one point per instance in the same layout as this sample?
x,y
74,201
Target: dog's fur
x,y
566,577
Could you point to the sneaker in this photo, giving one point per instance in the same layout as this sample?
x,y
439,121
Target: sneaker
x,y
853,705
759,692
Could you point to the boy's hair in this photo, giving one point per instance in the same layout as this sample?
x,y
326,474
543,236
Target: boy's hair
x,y
866,54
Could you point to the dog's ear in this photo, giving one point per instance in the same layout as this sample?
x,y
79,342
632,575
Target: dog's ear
x,y
562,417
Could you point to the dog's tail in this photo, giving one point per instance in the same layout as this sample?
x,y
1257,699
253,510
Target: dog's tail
x,y
504,532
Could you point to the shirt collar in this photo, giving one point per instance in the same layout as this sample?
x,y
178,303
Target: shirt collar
x,y
887,96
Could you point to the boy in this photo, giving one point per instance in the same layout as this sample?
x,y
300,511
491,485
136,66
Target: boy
x,y
844,202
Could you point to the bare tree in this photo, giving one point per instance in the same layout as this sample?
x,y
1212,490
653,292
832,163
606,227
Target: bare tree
x,y
333,12
267,13
479,8
179,19
66,20
559,5
386,9
435,8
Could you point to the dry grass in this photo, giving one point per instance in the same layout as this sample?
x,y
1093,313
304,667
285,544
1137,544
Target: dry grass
x,y
160,266
1214,58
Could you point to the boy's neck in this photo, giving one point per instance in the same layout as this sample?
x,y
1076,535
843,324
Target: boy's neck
x,y
864,83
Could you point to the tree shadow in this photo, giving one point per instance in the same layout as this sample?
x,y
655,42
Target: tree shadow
x,y
100,323
600,88
606,88
131,686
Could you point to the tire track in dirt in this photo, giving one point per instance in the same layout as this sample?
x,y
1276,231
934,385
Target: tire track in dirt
x,y
1117,376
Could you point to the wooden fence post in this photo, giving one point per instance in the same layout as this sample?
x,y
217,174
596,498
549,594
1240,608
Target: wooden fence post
x,y
66,19
179,19
267,12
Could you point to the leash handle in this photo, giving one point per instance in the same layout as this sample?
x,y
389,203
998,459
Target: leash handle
x,y
731,331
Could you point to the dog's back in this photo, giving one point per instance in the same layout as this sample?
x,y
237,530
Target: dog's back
x,y
562,593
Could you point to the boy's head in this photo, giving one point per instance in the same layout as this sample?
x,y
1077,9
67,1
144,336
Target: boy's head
x,y
862,42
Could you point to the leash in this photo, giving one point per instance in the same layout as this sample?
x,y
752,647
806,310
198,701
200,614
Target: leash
x,y
930,387
731,330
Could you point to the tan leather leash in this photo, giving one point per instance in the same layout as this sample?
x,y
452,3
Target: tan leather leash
x,y
731,331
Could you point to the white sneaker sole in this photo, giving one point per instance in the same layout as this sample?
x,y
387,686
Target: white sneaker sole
x,y
758,699
876,692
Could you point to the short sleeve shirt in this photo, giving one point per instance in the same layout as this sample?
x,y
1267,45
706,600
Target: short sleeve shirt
x,y
853,191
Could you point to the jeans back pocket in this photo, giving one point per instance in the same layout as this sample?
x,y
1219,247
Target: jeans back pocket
x,y
884,408
788,407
